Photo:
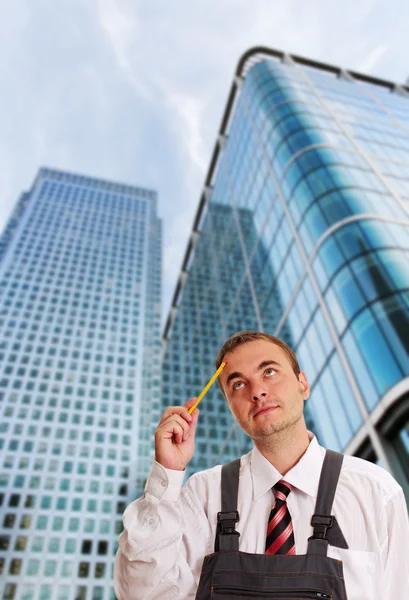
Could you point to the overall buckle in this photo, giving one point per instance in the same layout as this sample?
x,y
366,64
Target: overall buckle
x,y
227,521
321,525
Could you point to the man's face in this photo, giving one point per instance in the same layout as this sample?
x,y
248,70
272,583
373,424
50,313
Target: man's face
x,y
262,390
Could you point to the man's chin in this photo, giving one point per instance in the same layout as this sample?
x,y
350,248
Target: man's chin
x,y
264,431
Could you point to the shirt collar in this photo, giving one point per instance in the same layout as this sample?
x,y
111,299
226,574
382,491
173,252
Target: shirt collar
x,y
304,476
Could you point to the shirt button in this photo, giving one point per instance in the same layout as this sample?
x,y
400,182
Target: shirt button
x,y
163,483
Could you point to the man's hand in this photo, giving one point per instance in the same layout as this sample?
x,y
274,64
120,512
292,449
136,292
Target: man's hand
x,y
175,436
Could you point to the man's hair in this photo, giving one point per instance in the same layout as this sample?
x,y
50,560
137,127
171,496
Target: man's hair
x,y
242,337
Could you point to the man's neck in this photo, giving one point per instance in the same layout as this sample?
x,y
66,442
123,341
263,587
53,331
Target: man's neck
x,y
284,448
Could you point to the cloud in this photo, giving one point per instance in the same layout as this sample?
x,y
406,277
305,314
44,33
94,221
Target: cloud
x,y
121,27
368,64
191,111
135,91
120,24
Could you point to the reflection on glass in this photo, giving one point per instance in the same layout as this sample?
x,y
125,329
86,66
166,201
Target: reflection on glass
x,y
376,351
360,370
347,291
400,442
326,432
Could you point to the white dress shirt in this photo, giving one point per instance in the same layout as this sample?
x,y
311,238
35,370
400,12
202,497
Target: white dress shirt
x,y
170,529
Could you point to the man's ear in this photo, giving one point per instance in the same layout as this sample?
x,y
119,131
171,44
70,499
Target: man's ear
x,y
305,388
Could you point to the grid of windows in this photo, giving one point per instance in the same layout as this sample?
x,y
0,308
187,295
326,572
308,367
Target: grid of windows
x,y
80,321
304,235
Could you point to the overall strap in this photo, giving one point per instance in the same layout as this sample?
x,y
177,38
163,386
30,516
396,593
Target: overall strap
x,y
326,528
227,538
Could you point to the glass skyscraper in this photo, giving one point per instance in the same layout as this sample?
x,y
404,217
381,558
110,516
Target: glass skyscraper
x,y
80,292
302,231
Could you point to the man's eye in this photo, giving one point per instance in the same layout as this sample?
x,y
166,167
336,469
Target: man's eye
x,y
269,372
238,385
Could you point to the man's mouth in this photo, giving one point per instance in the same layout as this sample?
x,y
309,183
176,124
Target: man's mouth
x,y
264,409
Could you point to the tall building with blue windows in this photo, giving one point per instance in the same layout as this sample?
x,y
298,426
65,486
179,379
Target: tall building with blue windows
x,y
302,231
80,292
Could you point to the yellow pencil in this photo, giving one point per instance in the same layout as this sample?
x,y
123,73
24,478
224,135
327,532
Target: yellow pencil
x,y
213,379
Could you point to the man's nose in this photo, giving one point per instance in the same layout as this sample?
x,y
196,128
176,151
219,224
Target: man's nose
x,y
259,395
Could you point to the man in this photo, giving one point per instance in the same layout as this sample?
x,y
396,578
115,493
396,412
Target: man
x,y
358,551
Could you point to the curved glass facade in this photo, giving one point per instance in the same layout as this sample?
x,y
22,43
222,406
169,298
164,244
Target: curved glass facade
x,y
304,235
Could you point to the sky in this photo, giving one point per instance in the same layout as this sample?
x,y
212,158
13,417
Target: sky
x,y
134,91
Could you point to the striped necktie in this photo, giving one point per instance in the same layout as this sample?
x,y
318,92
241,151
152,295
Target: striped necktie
x,y
280,533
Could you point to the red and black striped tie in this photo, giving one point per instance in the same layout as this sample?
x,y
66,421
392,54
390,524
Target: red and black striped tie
x,y
280,533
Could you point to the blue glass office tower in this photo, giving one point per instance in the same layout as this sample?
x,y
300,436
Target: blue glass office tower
x,y
80,292
302,231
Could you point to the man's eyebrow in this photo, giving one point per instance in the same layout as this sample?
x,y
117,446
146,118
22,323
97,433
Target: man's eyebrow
x,y
234,375
265,363
262,365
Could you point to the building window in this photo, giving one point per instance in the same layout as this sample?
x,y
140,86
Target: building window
x,y
33,567
9,521
89,525
27,592
61,503
45,592
83,569
50,568
99,570
94,487
98,593
41,522
102,547
81,592
92,505
15,566
66,568
63,592
30,501
21,543
46,502
54,545
76,504
37,545
68,467
64,485
14,500
73,524
104,526
10,592
70,546
58,523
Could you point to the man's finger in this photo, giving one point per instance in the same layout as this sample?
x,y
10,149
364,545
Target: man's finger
x,y
175,410
190,403
169,423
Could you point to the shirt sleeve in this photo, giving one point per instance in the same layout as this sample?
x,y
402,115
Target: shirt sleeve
x,y
165,539
395,548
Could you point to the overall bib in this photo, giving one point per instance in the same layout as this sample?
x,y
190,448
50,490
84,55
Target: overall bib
x,y
229,573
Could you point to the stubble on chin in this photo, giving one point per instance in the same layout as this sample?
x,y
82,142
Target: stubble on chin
x,y
276,431
262,433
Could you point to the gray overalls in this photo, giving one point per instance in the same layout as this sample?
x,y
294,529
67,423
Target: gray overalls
x,y
229,573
